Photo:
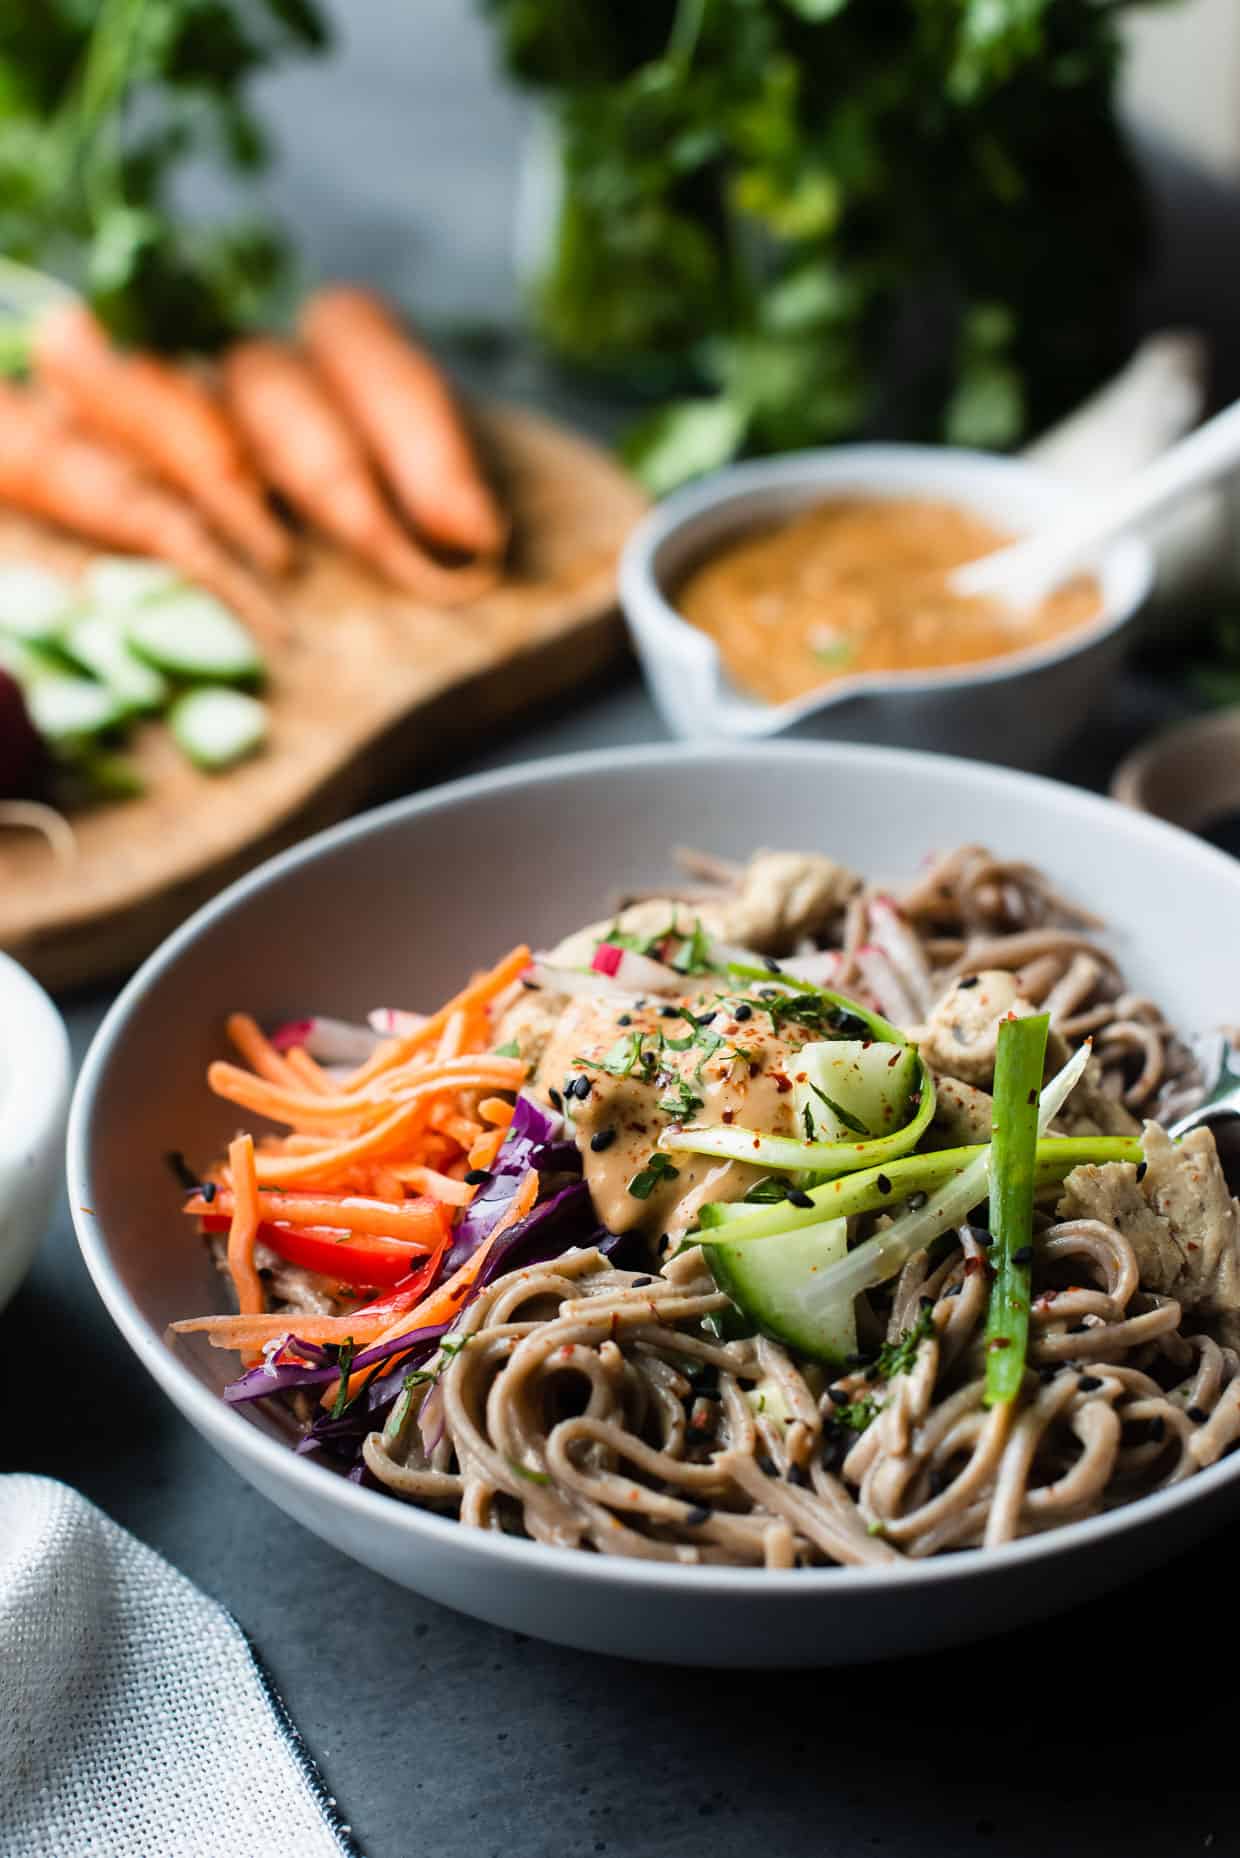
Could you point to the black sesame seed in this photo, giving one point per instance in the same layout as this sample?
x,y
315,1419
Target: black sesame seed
x,y
698,1515
744,1010
209,1191
625,1019
579,1088
477,1177
954,1290
1023,1254
883,1184
770,964
601,1139
970,980
669,1012
838,1397
1197,1414
797,1196
916,1201
556,1098
704,1019
639,1283
1090,1383
530,987
1141,1168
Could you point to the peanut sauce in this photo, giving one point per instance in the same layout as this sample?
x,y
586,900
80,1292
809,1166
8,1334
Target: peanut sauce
x,y
860,584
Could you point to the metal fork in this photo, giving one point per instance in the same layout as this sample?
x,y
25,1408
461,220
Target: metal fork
x,y
1219,1110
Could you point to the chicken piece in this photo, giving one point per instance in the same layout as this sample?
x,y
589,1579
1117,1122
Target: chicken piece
x,y
1090,1110
784,898
1178,1217
530,1022
962,1114
962,1031
780,900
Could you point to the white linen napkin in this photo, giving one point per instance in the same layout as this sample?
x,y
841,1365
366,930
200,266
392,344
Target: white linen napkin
x,y
135,1721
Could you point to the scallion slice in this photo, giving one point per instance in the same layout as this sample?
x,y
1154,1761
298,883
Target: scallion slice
x,y
1019,1057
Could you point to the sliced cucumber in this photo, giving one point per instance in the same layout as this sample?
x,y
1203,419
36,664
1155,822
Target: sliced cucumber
x,y
66,709
193,636
215,728
96,641
770,1282
120,582
34,604
853,1088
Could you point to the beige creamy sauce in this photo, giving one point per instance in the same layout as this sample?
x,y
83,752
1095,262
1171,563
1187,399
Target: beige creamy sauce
x,y
748,1080
860,584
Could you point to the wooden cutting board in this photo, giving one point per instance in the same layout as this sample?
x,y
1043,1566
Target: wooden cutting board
x,y
372,687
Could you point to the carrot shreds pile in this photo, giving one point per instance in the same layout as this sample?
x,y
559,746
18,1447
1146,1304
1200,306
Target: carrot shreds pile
x,y
370,1172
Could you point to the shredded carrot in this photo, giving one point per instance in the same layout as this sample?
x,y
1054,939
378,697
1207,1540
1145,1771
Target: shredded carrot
x,y
417,1225
478,992
259,1053
482,1153
445,1303
496,1110
453,1041
243,1229
297,1106
248,1332
308,1072
438,1186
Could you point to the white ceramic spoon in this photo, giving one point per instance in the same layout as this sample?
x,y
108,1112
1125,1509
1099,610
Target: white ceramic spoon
x,y
1025,572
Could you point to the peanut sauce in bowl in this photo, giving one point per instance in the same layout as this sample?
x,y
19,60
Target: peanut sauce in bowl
x,y
859,584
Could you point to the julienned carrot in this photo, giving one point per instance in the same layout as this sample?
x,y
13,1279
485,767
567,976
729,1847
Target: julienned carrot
x,y
49,470
249,1332
495,1110
308,1071
401,405
248,1038
416,1223
446,1302
484,1148
481,1071
308,452
243,1228
438,1186
165,418
484,987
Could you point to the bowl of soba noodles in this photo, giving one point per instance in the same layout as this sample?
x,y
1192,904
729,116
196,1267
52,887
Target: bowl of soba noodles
x,y
731,1206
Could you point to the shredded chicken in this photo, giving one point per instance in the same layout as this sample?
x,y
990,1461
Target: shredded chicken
x,y
960,1038
1176,1213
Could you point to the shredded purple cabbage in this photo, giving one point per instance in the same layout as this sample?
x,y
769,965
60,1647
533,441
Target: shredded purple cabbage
x,y
563,1216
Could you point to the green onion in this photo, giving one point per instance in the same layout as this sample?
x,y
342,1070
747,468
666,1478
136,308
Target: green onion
x,y
873,1190
1019,1057
788,1156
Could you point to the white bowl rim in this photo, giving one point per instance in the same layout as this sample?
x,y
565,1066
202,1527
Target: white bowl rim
x,y
34,1087
1129,558
236,1437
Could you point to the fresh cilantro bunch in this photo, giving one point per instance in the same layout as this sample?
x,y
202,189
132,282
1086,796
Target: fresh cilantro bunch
x,y
102,103
826,216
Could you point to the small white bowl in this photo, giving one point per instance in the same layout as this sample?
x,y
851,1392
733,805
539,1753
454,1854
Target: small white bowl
x,y
34,1099
1018,709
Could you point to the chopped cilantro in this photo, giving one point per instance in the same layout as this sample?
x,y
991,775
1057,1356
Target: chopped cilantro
x,y
510,1050
345,1363
680,1102
856,1416
658,1168
627,1055
898,1357
767,1191
693,956
839,1112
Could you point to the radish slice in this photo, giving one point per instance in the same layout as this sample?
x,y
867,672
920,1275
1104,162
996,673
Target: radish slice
x,y
332,1041
607,958
390,1022
885,987
822,968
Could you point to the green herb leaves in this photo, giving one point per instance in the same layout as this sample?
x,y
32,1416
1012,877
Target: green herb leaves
x,y
658,1169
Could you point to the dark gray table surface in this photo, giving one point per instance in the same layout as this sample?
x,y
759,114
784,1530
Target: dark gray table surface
x,y
1108,1731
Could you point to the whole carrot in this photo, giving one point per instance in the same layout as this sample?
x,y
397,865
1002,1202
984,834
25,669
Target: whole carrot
x,y
401,405
167,420
307,451
49,470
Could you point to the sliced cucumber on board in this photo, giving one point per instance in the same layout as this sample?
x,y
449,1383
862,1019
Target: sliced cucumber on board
x,y
96,641
34,603
119,582
768,1280
191,636
216,728
67,709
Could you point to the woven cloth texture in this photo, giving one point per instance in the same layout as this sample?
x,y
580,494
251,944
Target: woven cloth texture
x,y
135,1721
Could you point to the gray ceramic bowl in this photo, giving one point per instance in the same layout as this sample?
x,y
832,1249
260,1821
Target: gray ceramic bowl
x,y
1018,710
530,853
